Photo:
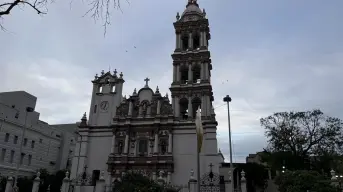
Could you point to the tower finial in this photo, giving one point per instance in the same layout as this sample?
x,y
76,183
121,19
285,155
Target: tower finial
x,y
177,16
115,72
157,90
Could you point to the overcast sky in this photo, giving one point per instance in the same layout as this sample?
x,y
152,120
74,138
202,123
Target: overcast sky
x,y
269,55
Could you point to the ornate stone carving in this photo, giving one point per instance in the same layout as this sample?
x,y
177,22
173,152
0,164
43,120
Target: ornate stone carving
x,y
123,109
166,108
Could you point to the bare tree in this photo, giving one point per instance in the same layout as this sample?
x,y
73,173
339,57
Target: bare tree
x,y
99,9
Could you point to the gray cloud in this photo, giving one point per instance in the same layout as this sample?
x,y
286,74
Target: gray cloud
x,y
268,55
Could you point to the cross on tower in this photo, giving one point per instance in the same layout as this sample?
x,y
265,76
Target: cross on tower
x,y
146,82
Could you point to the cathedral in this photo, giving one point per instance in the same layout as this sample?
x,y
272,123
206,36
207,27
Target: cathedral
x,y
148,132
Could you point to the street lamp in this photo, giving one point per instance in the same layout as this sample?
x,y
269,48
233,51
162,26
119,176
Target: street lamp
x,y
228,99
28,110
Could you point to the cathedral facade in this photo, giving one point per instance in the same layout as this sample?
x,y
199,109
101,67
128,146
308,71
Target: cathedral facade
x,y
150,133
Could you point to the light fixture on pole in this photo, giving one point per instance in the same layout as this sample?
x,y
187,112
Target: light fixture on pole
x,y
228,99
28,110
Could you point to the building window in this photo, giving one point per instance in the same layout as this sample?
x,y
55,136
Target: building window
x,y
16,115
12,157
100,89
33,144
7,137
95,107
22,155
143,147
3,155
163,147
120,147
15,139
25,142
29,161
40,140
113,88
59,136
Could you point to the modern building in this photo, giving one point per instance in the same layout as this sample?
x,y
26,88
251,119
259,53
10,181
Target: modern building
x,y
43,145
149,132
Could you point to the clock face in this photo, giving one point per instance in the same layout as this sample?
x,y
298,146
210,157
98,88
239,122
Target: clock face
x,y
104,105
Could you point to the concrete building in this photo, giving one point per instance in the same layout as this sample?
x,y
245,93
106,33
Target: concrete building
x,y
149,132
43,145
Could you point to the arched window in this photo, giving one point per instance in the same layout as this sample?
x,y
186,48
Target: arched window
x,y
196,74
100,89
184,74
196,103
184,40
163,147
184,108
196,41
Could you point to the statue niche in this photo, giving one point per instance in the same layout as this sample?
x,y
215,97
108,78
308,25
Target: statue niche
x,y
154,108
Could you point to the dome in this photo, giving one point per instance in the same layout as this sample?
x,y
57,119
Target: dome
x,y
192,8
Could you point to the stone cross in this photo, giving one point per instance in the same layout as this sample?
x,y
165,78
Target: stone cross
x,y
146,82
211,165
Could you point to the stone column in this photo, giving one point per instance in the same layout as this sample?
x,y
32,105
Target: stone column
x,y
169,177
202,74
100,184
130,108
190,110
201,39
190,41
206,72
174,73
9,185
177,106
178,41
178,76
126,145
192,183
113,143
170,142
190,74
204,39
36,181
243,182
156,143
65,184
158,107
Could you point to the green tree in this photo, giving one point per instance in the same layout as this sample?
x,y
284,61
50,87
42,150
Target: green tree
x,y
296,181
301,138
134,182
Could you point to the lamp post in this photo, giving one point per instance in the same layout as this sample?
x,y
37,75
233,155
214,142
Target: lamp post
x,y
28,110
228,99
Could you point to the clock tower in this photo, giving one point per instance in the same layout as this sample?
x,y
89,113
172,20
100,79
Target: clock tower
x,y
106,96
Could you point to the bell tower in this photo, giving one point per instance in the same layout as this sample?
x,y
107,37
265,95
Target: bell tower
x,y
191,86
106,96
